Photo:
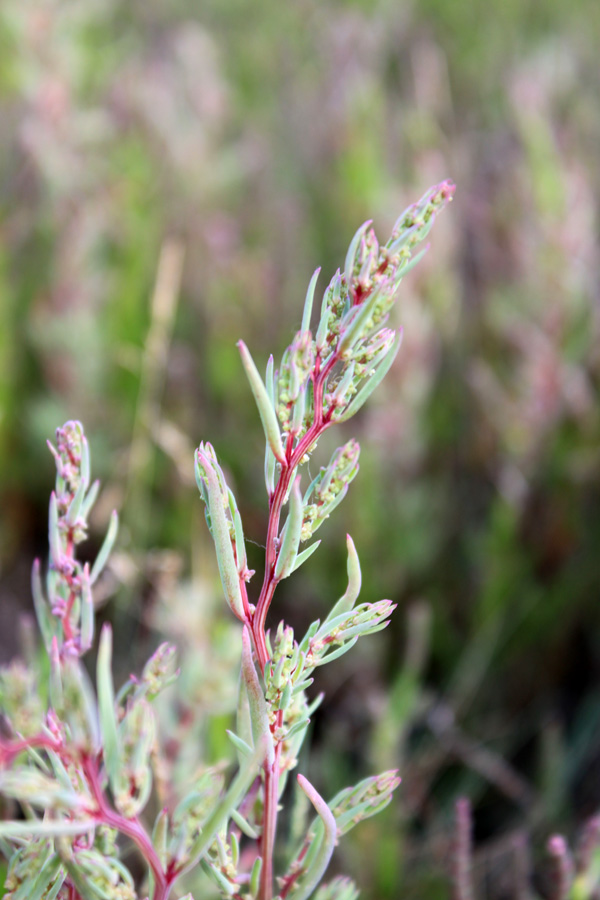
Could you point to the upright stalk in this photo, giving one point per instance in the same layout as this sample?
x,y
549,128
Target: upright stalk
x,y
283,484
258,623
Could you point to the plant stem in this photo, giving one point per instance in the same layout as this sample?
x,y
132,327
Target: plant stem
x,y
132,828
257,625
319,425
271,797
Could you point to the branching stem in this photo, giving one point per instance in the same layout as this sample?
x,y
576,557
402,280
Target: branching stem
x,y
132,828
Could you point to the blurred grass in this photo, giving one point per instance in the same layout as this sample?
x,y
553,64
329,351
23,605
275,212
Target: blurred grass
x,y
259,142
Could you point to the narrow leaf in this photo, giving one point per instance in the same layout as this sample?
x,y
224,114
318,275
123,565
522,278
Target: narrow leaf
x,y
352,250
266,410
350,596
354,323
291,536
89,500
106,706
218,817
86,635
84,466
259,715
230,578
42,610
320,861
304,555
255,876
46,827
335,654
106,547
55,685
308,303
160,835
244,826
241,745
240,545
53,531
363,394
76,503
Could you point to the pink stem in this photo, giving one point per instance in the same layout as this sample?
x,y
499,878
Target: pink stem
x,y
271,773
132,828
271,796
270,582
10,749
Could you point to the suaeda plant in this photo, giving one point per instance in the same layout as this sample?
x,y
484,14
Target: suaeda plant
x,y
77,761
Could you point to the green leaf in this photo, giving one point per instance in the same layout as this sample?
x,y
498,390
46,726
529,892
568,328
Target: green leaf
x,y
308,303
106,706
350,596
326,843
259,714
230,579
352,251
159,836
220,814
106,547
89,500
55,682
244,826
86,635
76,503
255,876
240,745
374,381
266,410
304,555
46,621
270,461
240,544
291,534
46,827
355,322
53,531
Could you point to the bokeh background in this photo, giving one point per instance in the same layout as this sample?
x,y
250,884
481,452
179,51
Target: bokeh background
x,y
171,173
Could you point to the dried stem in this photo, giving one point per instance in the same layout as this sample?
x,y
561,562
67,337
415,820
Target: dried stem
x,y
463,859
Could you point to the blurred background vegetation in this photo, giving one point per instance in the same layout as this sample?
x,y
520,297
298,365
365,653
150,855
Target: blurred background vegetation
x,y
170,175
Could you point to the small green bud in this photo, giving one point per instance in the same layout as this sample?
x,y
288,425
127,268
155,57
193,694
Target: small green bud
x,y
368,797
339,889
329,487
161,670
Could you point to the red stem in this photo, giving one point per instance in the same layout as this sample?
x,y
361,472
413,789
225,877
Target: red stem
x,y
257,625
276,504
271,797
132,828
10,749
